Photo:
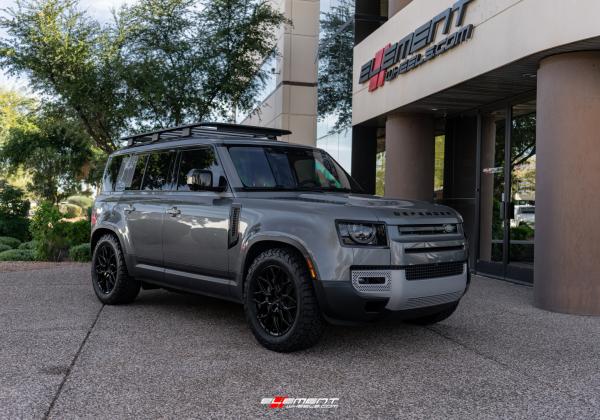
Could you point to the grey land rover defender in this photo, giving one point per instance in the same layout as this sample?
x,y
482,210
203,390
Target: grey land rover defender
x,y
231,212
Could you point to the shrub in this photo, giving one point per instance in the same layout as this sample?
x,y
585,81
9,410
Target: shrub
x,y
81,201
54,237
11,242
70,211
17,255
15,226
13,212
28,245
49,245
4,248
76,232
81,253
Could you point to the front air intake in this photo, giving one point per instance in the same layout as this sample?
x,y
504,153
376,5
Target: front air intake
x,y
372,280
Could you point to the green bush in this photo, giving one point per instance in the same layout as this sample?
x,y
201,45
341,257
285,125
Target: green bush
x,y
54,237
81,201
76,232
4,248
28,245
81,253
15,226
11,242
70,211
13,212
49,244
17,255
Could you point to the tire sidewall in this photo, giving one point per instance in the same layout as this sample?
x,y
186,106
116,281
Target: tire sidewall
x,y
250,307
106,297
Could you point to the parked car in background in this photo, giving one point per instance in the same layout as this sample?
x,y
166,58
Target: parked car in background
x,y
228,211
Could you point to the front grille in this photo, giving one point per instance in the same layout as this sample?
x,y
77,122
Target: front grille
x,y
372,280
430,271
441,229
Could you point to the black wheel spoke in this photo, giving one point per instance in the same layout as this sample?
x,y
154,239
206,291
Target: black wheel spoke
x,y
106,268
274,297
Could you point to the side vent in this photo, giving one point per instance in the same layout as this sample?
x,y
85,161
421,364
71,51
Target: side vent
x,y
234,225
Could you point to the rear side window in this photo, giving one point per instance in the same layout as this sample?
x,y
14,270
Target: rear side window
x,y
203,159
111,173
131,173
158,171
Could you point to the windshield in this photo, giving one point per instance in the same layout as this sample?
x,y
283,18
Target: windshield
x,y
289,169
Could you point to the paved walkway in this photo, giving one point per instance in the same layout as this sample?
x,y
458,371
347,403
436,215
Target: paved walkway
x,y
63,355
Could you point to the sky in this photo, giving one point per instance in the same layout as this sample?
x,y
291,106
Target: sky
x,y
99,9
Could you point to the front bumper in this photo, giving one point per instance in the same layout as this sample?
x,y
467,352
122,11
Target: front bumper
x,y
397,296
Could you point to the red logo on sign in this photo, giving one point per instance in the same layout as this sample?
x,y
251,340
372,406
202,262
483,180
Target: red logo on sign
x,y
277,402
377,74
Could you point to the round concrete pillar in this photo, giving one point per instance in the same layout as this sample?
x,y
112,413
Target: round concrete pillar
x,y
567,234
394,6
409,156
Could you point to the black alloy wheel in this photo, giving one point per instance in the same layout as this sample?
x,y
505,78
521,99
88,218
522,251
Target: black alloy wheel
x,y
275,299
105,266
112,283
280,302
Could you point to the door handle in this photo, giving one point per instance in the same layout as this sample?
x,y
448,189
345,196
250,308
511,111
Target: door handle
x,y
173,211
128,209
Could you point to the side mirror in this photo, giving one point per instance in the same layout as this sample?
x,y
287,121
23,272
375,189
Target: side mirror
x,y
202,180
199,180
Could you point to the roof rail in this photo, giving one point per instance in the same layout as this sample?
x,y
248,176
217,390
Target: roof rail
x,y
203,128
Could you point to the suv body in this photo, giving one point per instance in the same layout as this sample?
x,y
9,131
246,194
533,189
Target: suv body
x,y
196,208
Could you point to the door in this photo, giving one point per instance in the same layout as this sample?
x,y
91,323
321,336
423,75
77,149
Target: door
x,y
196,228
146,176
507,193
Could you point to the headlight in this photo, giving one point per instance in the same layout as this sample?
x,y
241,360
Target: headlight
x,y
362,234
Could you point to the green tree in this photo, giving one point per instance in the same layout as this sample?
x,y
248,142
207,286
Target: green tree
x,y
335,64
52,151
159,63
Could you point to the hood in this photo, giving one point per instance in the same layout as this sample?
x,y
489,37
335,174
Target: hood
x,y
389,210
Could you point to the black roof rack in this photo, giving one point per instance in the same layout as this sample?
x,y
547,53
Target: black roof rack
x,y
204,128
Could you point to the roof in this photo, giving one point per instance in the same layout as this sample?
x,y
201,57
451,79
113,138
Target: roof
x,y
205,130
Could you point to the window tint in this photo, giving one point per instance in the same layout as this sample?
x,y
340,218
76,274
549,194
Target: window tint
x,y
198,159
111,173
131,173
289,168
158,171
253,167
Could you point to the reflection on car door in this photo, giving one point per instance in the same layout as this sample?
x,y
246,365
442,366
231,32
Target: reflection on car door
x,y
196,228
144,179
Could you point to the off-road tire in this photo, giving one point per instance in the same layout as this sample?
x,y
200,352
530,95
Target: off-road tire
x,y
435,318
308,325
126,288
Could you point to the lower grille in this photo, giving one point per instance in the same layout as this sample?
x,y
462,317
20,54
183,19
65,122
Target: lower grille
x,y
422,302
431,271
372,280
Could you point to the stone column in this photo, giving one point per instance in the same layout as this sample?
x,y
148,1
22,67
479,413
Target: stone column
x,y
567,241
409,156
394,6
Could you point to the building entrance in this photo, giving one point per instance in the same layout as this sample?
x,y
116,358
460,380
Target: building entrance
x,y
507,192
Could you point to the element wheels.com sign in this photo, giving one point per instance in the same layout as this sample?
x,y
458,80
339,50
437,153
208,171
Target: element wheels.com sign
x,y
404,55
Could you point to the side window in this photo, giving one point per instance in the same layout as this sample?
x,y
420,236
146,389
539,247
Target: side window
x,y
111,173
158,171
131,173
203,159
